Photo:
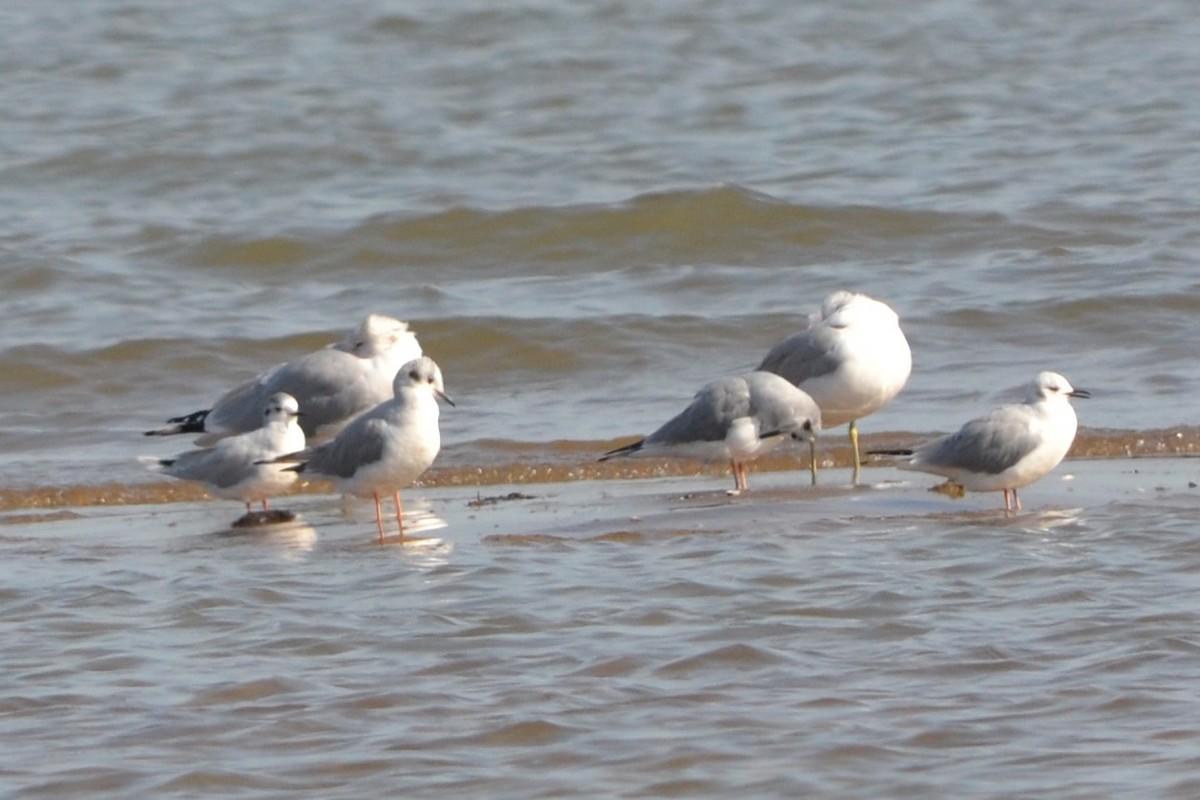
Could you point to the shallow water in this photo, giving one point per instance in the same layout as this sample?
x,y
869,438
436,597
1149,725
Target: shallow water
x,y
648,638
586,211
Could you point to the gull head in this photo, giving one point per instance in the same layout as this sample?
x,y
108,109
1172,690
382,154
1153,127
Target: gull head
x,y
421,374
280,407
1051,386
843,309
379,335
807,430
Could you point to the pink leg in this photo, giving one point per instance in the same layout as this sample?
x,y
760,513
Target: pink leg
x,y
399,515
739,476
1016,500
265,506
379,518
249,508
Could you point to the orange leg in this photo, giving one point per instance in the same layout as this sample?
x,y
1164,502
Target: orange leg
x,y
379,518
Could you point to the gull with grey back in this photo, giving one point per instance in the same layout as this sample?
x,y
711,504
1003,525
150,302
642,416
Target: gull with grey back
x,y
1007,448
733,419
852,359
332,385
388,447
238,467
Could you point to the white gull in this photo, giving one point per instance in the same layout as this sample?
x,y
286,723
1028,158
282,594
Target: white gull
x,y
852,359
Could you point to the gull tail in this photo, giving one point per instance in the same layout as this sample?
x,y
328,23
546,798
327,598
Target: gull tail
x,y
627,450
188,423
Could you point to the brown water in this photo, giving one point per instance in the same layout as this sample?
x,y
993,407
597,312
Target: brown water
x,y
586,211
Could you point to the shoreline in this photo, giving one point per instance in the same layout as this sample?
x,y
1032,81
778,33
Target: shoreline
x,y
631,509
574,462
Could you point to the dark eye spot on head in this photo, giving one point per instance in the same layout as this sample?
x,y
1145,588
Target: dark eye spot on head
x,y
416,376
808,425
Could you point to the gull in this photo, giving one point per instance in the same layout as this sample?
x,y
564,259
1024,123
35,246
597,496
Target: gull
x,y
332,385
237,467
852,359
733,419
388,447
1007,448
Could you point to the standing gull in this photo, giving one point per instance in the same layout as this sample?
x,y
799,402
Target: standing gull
x,y
733,419
852,359
1007,448
388,447
332,385
236,467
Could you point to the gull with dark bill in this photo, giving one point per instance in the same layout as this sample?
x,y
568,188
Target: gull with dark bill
x,y
852,359
733,419
332,385
1007,448
238,467
388,447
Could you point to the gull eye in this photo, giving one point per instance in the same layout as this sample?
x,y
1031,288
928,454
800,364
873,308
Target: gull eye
x,y
808,425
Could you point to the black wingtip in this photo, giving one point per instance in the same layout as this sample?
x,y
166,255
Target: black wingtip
x,y
188,423
901,452
194,418
621,451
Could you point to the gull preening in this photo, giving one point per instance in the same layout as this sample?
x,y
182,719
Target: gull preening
x,y
733,419
237,467
332,385
387,448
1007,448
852,359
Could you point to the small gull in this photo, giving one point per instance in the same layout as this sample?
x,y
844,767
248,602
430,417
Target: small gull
x,y
332,385
236,467
733,419
388,447
1007,448
852,359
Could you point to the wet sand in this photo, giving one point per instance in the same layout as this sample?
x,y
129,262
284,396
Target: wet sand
x,y
489,466
534,513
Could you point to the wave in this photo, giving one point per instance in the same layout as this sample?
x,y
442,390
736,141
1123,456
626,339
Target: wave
x,y
723,224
